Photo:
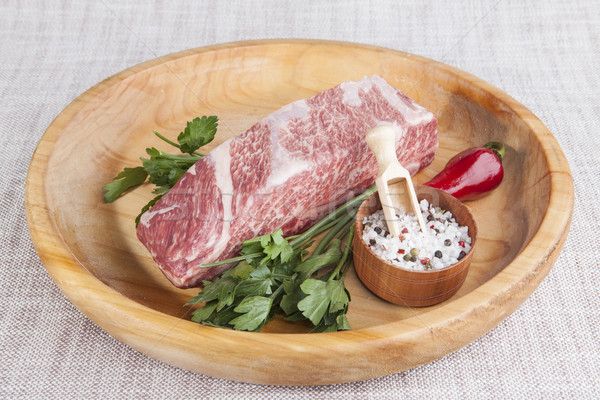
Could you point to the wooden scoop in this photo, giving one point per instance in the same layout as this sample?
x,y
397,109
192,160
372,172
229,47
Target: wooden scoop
x,y
396,191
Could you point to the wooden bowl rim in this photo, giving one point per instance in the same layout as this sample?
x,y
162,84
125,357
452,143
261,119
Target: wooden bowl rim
x,y
389,266
69,274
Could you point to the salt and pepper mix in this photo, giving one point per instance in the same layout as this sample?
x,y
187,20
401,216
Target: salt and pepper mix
x,y
443,243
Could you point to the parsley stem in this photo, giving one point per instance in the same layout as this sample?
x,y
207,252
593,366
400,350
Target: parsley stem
x,y
296,245
232,260
340,224
279,289
177,157
342,261
346,267
346,229
176,145
167,140
344,208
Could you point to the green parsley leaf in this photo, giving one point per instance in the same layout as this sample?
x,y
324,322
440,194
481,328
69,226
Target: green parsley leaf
x,y
342,322
204,313
338,295
252,246
253,287
282,270
315,263
242,270
291,298
197,133
278,247
297,316
264,273
255,312
222,318
220,289
126,179
333,323
273,245
166,169
321,297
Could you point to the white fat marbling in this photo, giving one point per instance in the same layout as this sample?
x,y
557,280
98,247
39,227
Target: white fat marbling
x,y
221,158
283,165
297,109
148,215
413,114
285,168
351,97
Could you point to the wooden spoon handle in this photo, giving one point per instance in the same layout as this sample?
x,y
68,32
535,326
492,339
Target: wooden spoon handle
x,y
382,141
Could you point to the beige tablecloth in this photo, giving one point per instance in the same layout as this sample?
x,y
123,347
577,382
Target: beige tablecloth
x,y
545,54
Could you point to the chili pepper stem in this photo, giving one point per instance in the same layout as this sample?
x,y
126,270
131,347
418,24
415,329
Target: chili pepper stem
x,y
498,149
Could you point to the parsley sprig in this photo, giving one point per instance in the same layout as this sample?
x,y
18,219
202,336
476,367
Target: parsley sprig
x,y
277,275
164,169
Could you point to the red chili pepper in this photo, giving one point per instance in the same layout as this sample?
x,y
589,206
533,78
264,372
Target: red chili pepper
x,y
472,173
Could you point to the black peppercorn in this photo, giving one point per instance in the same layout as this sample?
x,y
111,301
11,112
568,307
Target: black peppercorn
x,y
438,254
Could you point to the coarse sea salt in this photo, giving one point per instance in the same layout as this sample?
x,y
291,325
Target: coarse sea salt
x,y
444,243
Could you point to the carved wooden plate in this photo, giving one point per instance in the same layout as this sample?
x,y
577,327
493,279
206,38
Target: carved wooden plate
x,y
91,251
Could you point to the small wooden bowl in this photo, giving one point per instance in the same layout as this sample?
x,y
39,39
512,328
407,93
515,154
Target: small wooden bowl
x,y
407,287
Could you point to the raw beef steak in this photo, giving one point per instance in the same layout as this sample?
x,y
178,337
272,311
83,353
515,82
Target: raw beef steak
x,y
287,171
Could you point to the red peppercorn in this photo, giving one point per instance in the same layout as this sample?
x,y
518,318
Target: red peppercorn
x,y
401,251
405,230
431,226
425,260
461,243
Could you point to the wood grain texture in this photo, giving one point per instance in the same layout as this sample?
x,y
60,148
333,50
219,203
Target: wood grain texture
x,y
91,251
408,287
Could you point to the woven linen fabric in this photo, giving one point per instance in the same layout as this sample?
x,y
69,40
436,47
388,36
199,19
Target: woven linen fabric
x,y
543,53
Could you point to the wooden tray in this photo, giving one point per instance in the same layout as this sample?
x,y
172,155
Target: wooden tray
x,y
91,251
